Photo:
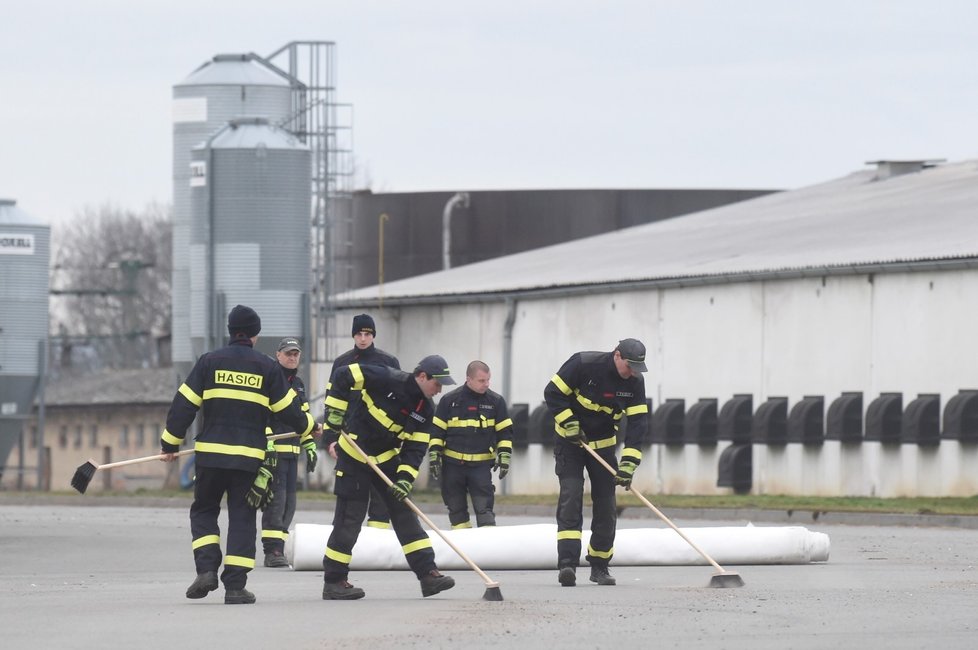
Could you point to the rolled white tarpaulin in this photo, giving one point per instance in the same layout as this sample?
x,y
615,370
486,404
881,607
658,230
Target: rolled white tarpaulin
x,y
534,546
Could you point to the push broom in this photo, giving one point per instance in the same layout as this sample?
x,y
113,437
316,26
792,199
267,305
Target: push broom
x,y
722,578
492,588
85,473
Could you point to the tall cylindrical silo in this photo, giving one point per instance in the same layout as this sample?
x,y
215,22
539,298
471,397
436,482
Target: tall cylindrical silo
x,y
228,86
25,253
250,217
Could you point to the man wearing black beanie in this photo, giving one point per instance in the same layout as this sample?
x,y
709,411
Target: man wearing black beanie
x,y
365,353
241,388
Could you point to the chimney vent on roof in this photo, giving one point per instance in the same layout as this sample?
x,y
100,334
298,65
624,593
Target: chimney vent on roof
x,y
890,168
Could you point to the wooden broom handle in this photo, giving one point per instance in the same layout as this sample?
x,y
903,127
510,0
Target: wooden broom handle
x,y
185,452
410,504
656,510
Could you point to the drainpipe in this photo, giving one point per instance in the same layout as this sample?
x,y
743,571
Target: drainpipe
x,y
508,346
461,199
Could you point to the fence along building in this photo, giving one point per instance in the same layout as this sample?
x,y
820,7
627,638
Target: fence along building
x,y
779,305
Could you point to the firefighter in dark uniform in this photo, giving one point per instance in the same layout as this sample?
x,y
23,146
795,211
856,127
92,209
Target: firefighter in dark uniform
x,y
473,434
277,518
365,353
237,388
588,397
390,423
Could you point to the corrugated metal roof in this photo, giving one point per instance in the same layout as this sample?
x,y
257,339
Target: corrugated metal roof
x,y
234,70
143,386
10,214
853,221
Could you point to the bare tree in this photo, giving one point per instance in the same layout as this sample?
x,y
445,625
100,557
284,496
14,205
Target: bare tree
x,y
111,288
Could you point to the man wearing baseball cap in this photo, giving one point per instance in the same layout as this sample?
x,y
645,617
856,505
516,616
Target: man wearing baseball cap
x,y
587,397
393,431
277,517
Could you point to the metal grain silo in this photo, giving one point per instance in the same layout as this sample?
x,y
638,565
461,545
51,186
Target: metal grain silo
x,y
250,208
25,253
225,87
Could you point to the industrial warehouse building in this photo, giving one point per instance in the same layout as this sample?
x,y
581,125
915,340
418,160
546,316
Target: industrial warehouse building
x,y
819,341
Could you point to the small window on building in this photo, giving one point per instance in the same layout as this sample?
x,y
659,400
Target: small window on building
x,y
33,437
93,436
124,436
63,437
141,436
77,443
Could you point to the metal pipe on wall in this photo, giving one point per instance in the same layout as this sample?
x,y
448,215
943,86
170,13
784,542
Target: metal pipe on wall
x,y
461,199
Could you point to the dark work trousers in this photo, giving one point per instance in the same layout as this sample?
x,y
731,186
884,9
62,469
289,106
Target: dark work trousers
x,y
462,480
277,518
570,462
353,482
377,515
209,490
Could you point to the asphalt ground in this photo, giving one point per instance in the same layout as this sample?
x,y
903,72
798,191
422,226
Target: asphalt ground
x,y
114,576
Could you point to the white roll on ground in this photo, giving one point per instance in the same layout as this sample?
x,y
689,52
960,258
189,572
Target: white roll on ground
x,y
535,547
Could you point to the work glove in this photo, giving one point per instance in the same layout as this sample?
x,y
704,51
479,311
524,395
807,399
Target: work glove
x,y
624,476
401,489
309,446
573,434
502,463
271,456
334,420
260,493
434,463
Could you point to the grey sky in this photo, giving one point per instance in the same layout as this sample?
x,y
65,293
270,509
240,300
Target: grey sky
x,y
503,95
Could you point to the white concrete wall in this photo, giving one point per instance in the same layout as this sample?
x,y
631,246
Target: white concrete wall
x,y
902,332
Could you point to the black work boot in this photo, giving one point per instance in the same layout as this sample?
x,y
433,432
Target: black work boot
x,y
567,576
275,559
205,583
238,597
434,582
341,591
600,575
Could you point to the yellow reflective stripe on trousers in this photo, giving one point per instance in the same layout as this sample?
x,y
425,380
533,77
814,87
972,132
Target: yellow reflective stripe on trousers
x,y
560,384
337,556
274,534
191,396
283,403
205,540
382,458
234,393
229,450
604,555
467,457
416,546
568,534
378,524
464,524
237,560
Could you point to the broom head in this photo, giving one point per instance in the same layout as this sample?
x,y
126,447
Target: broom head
x,y
726,579
83,476
492,592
